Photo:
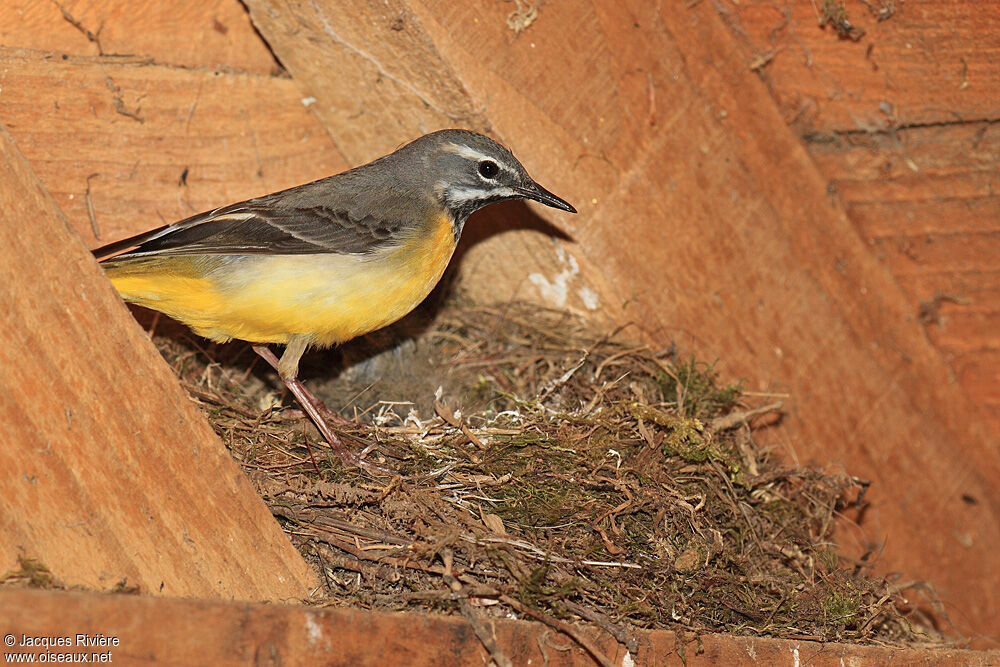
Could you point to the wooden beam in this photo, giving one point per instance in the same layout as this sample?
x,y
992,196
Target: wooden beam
x,y
188,632
125,145
925,62
108,472
392,83
184,33
924,200
903,124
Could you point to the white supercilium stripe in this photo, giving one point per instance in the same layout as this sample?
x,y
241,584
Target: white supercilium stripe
x,y
472,154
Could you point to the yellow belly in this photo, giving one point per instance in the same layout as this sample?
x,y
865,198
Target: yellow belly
x,y
269,298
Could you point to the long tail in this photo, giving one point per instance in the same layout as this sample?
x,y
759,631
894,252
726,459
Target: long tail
x,y
110,249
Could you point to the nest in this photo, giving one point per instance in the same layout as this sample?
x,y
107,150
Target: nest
x,y
552,472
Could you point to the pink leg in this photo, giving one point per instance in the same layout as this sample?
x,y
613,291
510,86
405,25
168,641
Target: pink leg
x,y
327,413
313,407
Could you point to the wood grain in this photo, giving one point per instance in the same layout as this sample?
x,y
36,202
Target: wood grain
x,y
188,632
108,472
931,61
199,139
924,199
391,84
903,125
183,33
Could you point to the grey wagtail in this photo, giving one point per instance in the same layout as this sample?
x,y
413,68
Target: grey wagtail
x,y
324,262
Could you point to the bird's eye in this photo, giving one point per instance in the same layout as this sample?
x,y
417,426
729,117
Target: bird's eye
x,y
488,168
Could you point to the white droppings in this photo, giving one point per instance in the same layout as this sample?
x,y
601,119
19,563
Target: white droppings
x,y
308,101
313,630
614,452
627,661
590,299
795,656
556,290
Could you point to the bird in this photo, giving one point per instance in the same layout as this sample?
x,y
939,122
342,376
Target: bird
x,y
321,263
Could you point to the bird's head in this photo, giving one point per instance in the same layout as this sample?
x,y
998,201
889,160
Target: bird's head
x,y
468,171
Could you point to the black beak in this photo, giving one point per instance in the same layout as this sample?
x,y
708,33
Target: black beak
x,y
540,194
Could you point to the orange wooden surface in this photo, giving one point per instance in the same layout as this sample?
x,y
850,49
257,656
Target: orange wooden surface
x,y
207,34
205,139
189,632
108,472
925,201
903,125
931,61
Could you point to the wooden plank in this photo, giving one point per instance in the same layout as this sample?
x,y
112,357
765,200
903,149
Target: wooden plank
x,y
185,33
932,61
703,220
108,471
921,188
902,123
392,85
190,632
977,289
960,252
924,200
926,217
935,150
969,328
201,138
978,370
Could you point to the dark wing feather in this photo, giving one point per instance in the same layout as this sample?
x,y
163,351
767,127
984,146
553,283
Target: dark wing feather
x,y
131,242
300,221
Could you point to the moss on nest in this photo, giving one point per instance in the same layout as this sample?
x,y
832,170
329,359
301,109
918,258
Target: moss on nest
x,y
560,473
